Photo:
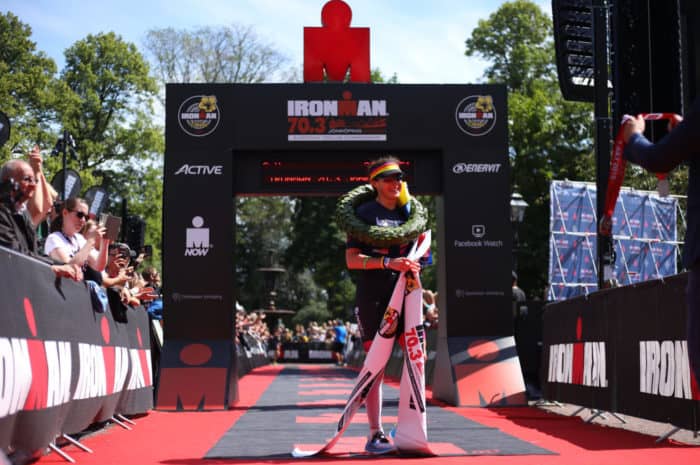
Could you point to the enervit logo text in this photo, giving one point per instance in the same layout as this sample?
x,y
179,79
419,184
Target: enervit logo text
x,y
467,168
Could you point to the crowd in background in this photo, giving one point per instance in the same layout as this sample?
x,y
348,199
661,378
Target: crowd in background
x,y
253,330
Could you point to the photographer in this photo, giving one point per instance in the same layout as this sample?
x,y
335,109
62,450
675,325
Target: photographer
x,y
17,187
17,229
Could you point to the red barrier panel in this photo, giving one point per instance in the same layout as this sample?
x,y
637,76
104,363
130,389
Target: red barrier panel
x,y
623,350
62,365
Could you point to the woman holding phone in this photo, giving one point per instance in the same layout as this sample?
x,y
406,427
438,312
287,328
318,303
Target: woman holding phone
x,y
67,245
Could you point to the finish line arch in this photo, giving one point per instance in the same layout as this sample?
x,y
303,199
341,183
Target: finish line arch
x,y
295,139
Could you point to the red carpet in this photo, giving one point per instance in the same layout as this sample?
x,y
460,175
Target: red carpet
x,y
185,438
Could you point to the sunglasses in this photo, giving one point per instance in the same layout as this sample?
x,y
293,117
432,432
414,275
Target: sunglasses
x,y
80,215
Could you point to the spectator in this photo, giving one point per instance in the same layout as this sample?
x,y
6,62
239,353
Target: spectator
x,y
151,279
101,247
118,280
340,339
17,228
67,245
430,309
519,298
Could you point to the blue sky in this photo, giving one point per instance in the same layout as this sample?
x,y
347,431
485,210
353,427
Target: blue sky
x,y
422,41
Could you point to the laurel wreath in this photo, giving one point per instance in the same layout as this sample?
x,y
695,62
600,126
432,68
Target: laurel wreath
x,y
377,236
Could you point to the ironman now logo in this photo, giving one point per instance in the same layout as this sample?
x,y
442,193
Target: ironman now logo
x,y
197,239
476,115
199,115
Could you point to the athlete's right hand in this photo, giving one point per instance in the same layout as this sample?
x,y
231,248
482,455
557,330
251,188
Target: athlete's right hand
x,y
404,264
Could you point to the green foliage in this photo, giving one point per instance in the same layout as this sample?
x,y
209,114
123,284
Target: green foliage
x,y
29,90
262,225
314,311
103,98
108,110
213,54
550,138
318,245
376,77
428,276
517,40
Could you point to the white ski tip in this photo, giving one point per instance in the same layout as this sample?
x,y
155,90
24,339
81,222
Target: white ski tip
x,y
300,454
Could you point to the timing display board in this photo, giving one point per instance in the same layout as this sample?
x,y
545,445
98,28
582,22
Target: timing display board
x,y
327,172
276,172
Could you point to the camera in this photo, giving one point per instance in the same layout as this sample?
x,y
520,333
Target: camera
x,y
8,191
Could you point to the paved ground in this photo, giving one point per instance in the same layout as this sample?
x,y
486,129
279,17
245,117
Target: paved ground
x,y
652,428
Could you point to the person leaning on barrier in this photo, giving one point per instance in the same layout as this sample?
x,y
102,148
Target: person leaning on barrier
x,y
18,185
681,144
118,275
66,244
151,279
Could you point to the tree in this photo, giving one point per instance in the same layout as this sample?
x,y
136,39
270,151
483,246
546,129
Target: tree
x,y
29,89
107,107
517,40
376,77
262,225
224,54
318,245
549,137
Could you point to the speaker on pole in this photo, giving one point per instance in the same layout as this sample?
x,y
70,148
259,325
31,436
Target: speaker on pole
x,y
573,42
647,60
135,232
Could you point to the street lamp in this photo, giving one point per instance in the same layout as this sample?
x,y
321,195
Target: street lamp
x,y
517,215
517,208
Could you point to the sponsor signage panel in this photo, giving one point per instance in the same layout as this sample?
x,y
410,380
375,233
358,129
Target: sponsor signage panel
x,y
59,375
197,237
644,230
628,353
578,353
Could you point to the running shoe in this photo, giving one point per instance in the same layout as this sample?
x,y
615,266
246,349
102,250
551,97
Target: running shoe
x,y
379,444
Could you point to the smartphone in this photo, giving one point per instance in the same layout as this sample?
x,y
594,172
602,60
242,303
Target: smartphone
x,y
112,224
147,251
